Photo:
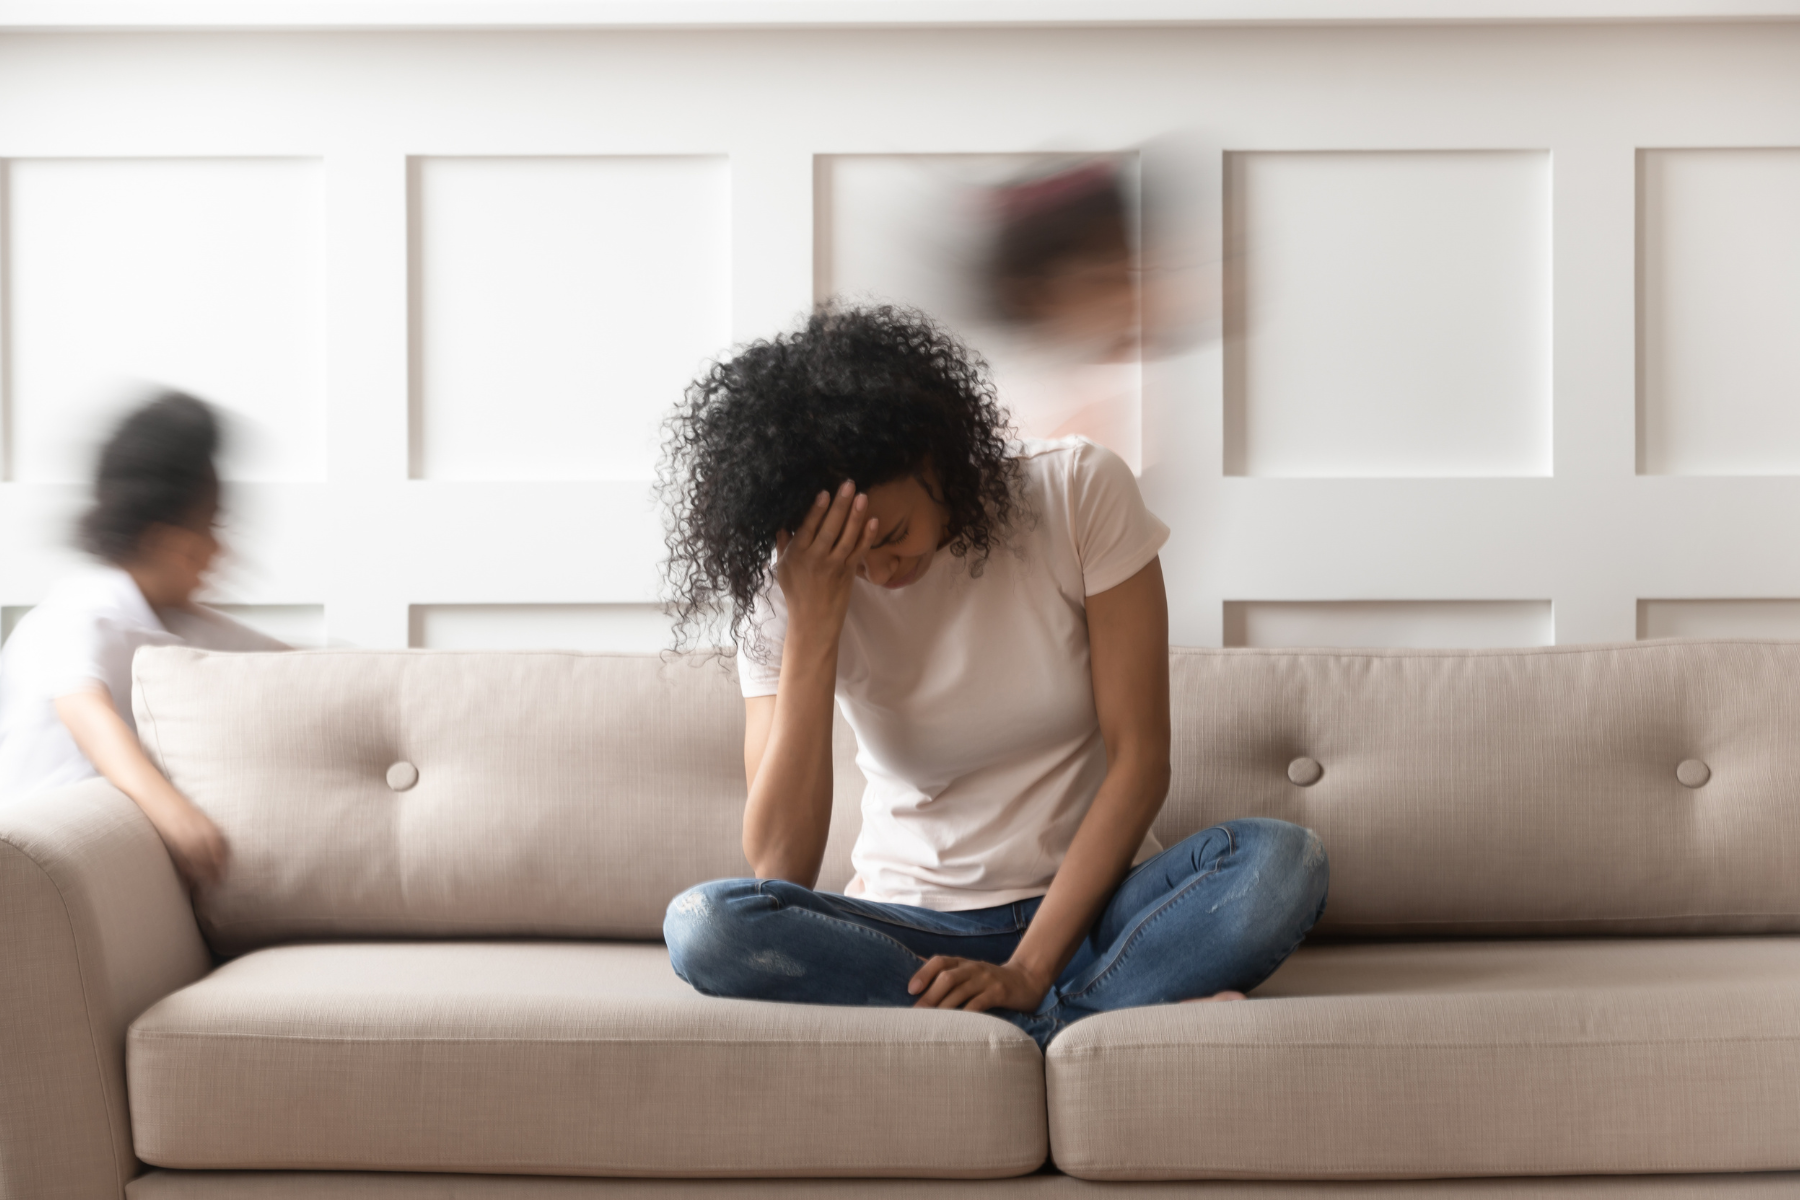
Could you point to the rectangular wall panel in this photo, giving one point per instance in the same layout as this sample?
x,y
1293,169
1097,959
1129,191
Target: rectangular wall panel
x,y
1422,623
625,627
917,230
1719,312
1719,618
1388,314
202,274
561,305
299,625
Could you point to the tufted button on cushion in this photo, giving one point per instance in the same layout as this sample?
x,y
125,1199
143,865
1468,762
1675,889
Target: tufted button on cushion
x,y
402,775
1693,773
1305,771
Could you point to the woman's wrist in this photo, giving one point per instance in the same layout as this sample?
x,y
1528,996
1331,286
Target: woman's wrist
x,y
1038,973
810,653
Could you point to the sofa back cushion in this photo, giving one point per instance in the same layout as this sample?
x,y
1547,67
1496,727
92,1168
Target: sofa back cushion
x,y
1511,792
433,793
573,795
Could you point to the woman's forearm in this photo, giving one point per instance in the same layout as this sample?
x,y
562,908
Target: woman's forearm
x,y
1099,857
788,816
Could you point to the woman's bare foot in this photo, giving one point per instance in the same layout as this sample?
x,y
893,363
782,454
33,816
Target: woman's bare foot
x,y
1215,996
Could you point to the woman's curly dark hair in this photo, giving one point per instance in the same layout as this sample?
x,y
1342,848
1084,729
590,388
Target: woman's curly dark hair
x,y
869,394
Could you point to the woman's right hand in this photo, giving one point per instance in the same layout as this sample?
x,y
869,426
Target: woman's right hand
x,y
817,566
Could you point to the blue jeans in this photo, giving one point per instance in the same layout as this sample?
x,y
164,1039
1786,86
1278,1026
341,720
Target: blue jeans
x,y
1217,912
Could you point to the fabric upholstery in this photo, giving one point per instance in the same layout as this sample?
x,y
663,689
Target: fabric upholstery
x,y
560,794
94,927
1511,791
565,1058
1543,1057
556,794
281,1185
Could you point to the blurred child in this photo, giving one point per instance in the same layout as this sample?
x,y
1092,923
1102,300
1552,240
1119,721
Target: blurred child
x,y
65,674
1062,264
1061,277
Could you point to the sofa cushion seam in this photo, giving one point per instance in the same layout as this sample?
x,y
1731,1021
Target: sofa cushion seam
x,y
1010,1047
1409,1047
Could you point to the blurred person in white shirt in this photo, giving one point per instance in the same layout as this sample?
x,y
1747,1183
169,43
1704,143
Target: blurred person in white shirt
x,y
65,673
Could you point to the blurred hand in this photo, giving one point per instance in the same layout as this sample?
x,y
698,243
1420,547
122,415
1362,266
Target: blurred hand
x,y
817,566
195,843
974,986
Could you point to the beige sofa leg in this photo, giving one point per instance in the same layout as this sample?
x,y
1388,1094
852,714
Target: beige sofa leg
x,y
94,928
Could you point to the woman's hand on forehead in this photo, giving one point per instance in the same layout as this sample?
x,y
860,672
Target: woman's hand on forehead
x,y
816,567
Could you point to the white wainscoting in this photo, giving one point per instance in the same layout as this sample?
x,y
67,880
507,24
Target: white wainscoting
x,y
1388,314
205,274
299,625
640,627
1719,618
1424,623
1720,280
1509,310
560,303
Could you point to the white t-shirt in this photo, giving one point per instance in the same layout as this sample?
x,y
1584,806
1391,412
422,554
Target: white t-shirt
x,y
972,697
86,632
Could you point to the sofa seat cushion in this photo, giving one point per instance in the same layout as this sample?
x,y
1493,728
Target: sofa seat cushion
x,y
1390,1061
564,1059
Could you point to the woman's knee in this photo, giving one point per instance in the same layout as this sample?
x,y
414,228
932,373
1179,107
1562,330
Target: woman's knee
x,y
1290,861
702,927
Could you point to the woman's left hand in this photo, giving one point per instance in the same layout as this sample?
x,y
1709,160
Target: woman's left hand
x,y
974,986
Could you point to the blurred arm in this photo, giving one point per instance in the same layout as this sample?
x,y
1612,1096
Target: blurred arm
x,y
192,839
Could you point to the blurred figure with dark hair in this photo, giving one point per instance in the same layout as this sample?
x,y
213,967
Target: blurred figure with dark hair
x,y
65,675
1062,264
1059,277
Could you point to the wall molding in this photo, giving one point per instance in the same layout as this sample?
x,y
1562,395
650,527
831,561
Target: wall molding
x,y
137,15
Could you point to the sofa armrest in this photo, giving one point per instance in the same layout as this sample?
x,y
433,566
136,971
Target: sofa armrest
x,y
95,927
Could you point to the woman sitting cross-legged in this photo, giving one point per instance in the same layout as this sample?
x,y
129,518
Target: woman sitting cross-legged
x,y
990,616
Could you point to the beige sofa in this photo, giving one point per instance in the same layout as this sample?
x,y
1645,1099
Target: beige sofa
x,y
1560,951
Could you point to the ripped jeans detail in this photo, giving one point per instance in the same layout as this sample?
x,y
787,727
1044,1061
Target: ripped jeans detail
x,y
1218,911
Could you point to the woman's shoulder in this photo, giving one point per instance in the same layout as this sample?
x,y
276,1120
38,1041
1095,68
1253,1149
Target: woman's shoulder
x,y
1060,465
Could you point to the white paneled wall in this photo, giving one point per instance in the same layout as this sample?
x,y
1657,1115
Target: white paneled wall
x,y
207,274
1720,279
641,627
560,303
1389,623
1511,312
1390,314
1719,618
300,625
